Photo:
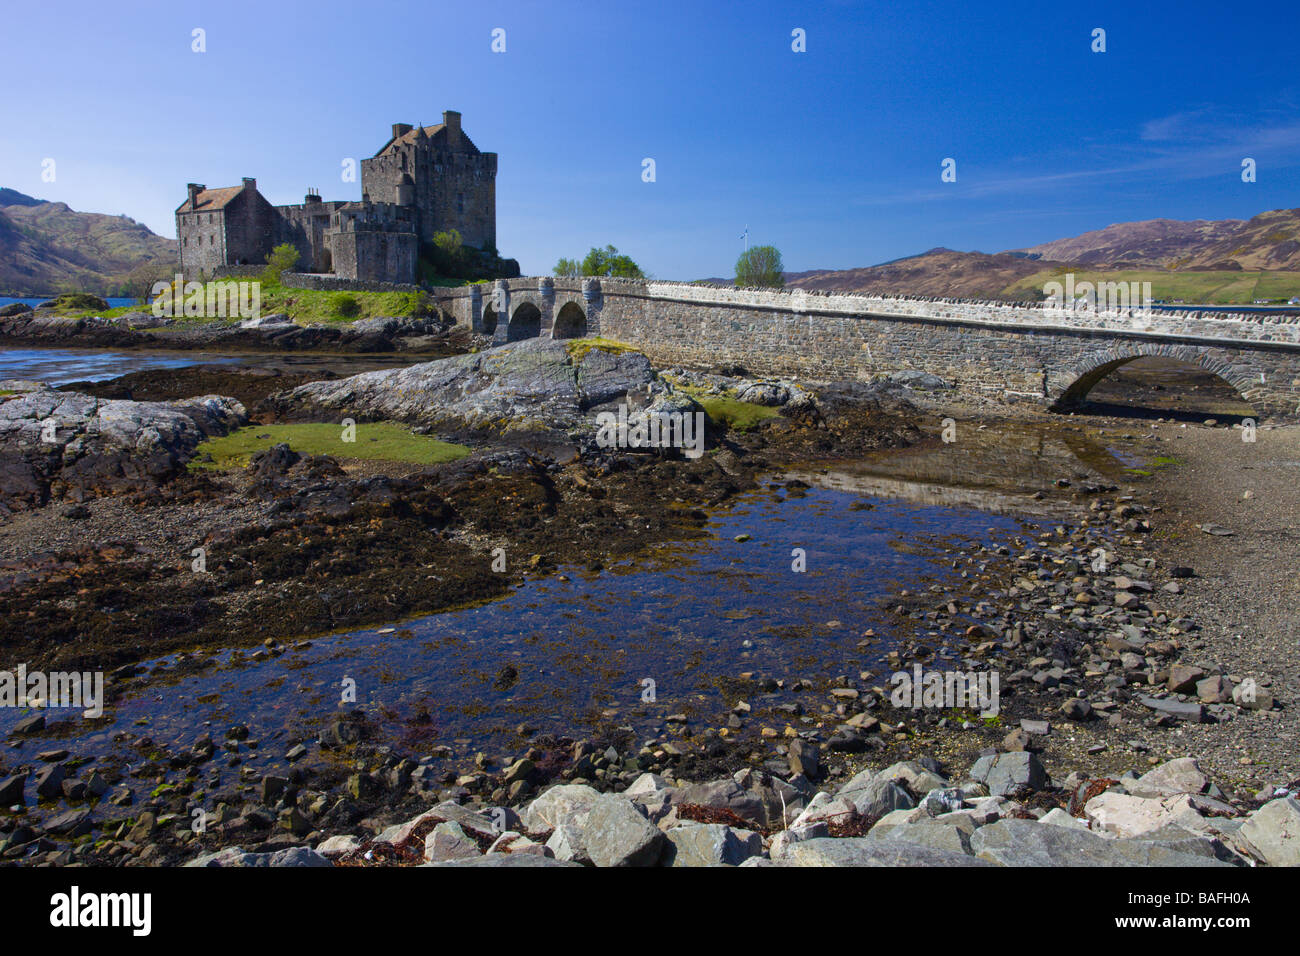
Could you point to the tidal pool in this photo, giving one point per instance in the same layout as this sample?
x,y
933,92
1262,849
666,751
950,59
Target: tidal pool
x,y
667,633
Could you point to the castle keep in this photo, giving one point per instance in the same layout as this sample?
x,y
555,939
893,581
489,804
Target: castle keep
x,y
423,181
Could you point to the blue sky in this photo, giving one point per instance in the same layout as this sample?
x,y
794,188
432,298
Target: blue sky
x,y
833,154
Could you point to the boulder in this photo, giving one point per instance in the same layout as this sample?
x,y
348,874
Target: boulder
x,y
1274,831
710,844
1124,815
1182,775
874,795
447,841
565,804
521,386
11,790
1031,843
616,834
84,443
1005,773
865,851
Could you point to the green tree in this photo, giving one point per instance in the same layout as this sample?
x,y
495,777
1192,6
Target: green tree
x,y
610,262
568,268
282,258
760,267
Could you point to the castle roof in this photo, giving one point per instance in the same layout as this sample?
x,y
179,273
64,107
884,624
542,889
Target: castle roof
x,y
437,136
210,200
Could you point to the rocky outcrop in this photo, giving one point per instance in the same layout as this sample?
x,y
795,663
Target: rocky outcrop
x,y
533,385
142,329
55,444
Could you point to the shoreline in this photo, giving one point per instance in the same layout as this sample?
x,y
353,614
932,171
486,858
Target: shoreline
x,y
845,753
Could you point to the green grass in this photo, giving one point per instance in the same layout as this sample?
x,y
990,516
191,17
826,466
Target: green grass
x,y
1192,287
379,441
578,348
729,410
301,305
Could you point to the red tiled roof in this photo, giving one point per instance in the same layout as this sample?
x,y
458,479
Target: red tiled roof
x,y
211,199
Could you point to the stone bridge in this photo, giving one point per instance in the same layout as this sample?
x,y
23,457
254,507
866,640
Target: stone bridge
x,y
1014,352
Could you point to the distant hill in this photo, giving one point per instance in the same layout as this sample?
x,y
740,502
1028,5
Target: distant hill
x,y
1202,261
942,272
47,247
1270,240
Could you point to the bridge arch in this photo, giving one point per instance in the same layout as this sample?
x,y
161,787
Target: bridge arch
x,y
489,320
1073,385
570,322
526,323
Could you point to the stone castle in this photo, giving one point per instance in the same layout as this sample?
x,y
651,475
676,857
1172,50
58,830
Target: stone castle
x,y
424,180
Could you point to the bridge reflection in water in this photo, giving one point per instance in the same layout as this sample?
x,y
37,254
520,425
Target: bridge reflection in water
x,y
997,468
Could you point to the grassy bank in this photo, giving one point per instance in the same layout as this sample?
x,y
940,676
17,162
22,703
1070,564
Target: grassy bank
x,y
377,441
303,306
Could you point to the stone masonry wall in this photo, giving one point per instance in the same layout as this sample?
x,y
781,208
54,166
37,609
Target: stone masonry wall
x,y
1013,352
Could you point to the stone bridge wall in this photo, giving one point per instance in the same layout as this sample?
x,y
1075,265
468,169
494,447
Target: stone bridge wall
x,y
1013,351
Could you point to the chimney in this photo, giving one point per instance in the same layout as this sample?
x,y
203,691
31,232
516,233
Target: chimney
x,y
250,183
194,190
312,195
451,120
401,129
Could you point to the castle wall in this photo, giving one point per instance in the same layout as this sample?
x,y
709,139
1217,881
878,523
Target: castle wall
x,y
334,283
453,190
304,226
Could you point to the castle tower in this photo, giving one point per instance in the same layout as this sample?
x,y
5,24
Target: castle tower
x,y
451,184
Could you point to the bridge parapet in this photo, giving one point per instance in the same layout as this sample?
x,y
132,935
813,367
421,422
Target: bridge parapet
x,y
1019,350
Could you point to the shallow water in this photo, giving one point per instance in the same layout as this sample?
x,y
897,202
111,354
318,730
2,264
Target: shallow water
x,y
690,616
683,616
61,366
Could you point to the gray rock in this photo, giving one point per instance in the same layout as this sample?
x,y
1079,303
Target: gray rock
x,y
1274,830
1005,773
530,385
101,444
805,758
1030,843
447,841
508,860
864,851
11,790
709,844
913,378
616,834
566,844
1184,710
1182,775
297,856
49,781
873,796
951,838
566,804
277,319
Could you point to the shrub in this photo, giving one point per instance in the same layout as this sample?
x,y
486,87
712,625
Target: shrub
x,y
346,305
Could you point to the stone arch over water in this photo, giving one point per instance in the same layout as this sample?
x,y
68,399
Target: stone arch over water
x,y
526,323
570,322
1072,386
